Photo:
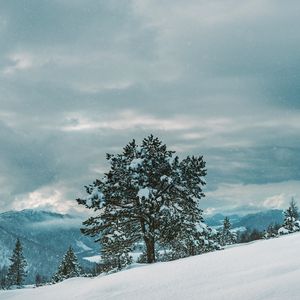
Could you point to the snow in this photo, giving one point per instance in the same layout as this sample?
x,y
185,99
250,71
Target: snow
x,y
238,229
283,230
135,255
145,192
97,258
95,195
166,178
135,163
83,246
267,269
89,202
93,259
202,227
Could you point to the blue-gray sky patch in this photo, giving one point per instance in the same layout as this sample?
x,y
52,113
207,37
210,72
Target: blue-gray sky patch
x,y
220,79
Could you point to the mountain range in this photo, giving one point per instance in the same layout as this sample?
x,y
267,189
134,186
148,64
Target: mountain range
x,y
45,237
260,220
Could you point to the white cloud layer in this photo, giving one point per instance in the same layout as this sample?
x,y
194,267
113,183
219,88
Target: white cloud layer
x,y
212,78
47,198
253,197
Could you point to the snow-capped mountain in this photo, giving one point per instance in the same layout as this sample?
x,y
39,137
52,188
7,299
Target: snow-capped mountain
x,y
45,237
259,220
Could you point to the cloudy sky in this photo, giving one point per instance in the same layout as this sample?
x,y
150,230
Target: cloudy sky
x,y
82,78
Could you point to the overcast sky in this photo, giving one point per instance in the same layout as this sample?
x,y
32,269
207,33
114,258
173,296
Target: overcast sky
x,y
217,78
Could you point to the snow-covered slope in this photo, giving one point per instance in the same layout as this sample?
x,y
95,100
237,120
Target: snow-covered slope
x,y
261,270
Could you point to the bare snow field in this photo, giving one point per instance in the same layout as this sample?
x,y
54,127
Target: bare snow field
x,y
262,270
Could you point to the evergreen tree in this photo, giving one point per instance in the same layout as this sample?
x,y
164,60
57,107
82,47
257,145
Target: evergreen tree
x,y
249,235
3,278
294,209
255,235
272,231
68,268
202,239
291,222
39,280
16,272
148,195
226,237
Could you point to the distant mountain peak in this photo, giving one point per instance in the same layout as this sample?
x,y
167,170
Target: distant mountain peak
x,y
35,214
259,220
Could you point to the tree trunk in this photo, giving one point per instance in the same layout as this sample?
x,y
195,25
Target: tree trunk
x,y
149,242
150,247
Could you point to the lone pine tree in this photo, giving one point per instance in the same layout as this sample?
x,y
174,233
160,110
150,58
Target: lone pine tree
x,y
17,269
68,268
147,195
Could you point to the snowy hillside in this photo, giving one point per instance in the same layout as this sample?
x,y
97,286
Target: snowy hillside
x,y
261,270
45,237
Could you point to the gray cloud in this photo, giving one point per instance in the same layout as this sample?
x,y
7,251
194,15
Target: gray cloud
x,y
214,78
